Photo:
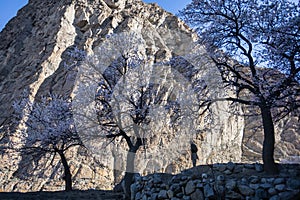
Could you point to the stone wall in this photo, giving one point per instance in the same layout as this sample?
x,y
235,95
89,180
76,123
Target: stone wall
x,y
220,181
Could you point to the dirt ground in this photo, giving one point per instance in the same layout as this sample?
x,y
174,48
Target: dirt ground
x,y
73,195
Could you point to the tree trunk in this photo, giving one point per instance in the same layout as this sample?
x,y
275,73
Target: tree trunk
x,y
270,166
68,176
128,178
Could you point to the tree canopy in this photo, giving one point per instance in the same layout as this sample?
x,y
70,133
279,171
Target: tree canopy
x,y
256,47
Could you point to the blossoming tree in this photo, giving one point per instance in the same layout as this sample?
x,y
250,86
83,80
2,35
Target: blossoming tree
x,y
47,128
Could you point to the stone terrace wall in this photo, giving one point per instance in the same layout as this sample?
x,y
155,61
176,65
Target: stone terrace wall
x,y
220,181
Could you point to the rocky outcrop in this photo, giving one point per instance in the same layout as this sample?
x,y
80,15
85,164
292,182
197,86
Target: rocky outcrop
x,y
36,53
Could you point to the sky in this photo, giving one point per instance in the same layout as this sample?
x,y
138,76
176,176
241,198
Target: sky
x,y
171,5
9,8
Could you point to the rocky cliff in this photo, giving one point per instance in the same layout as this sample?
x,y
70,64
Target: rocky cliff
x,y
37,45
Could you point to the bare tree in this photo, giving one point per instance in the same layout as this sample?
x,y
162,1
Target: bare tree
x,y
256,47
46,128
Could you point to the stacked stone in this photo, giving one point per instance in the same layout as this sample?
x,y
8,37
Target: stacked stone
x,y
230,181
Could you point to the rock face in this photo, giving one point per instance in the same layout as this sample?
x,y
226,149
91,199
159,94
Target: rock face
x,y
35,49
